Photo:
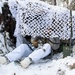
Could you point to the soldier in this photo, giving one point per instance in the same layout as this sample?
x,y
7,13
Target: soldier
x,y
28,53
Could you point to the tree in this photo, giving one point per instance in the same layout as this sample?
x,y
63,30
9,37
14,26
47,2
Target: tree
x,y
54,2
73,5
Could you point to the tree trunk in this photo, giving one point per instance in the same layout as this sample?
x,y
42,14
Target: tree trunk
x,y
54,2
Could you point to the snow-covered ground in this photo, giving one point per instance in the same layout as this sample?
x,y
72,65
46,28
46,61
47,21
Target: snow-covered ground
x,y
57,65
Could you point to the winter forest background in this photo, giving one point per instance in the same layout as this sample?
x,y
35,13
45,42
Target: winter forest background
x,y
57,65
63,3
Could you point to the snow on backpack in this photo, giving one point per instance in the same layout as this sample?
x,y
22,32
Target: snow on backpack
x,y
54,42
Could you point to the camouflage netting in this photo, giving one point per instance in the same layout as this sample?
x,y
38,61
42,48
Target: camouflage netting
x,y
39,18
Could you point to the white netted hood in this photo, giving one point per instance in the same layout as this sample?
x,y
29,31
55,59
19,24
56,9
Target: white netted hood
x,y
39,18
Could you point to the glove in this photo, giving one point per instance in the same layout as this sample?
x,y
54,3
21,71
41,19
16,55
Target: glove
x,y
3,60
26,62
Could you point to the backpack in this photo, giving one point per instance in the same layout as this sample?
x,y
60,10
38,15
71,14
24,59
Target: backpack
x,y
54,42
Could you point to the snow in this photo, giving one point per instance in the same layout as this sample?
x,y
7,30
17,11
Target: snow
x,y
3,48
57,65
1,7
43,67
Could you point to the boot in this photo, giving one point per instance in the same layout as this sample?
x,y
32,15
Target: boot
x,y
26,62
3,60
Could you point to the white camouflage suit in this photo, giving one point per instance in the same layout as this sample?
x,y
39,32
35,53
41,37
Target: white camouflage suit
x,y
23,51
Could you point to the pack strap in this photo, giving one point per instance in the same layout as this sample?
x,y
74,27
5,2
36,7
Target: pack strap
x,y
26,42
